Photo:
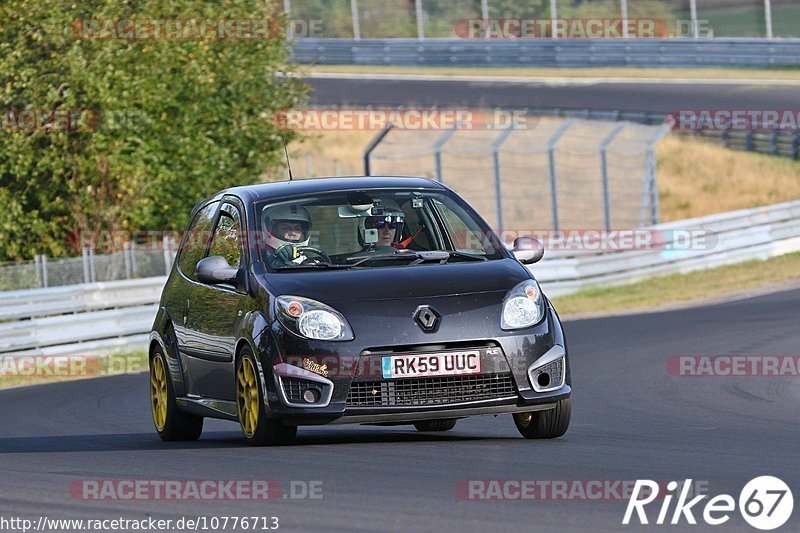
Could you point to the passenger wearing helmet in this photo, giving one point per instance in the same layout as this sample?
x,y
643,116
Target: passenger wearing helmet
x,y
382,229
286,232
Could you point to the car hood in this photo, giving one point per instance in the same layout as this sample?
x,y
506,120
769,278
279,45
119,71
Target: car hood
x,y
404,282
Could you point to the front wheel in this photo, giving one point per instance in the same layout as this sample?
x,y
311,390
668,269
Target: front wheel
x,y
258,430
170,423
549,424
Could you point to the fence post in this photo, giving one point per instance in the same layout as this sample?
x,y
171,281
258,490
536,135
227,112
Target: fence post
x,y
498,191
87,276
287,9
693,15
624,10
45,282
774,142
37,268
420,24
795,145
748,140
551,158
134,268
92,272
166,244
553,17
651,186
356,23
126,256
438,151
372,145
768,17
485,17
604,173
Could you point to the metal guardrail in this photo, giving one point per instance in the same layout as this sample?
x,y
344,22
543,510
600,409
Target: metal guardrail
x,y
79,319
95,318
737,236
716,52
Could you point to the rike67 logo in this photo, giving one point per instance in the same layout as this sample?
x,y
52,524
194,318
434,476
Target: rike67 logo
x,y
765,503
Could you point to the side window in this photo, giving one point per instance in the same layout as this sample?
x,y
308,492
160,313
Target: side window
x,y
227,240
460,226
197,239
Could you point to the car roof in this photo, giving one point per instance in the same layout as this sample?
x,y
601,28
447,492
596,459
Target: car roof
x,y
282,189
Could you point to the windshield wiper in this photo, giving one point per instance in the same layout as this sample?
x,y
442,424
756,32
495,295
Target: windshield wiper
x,y
418,256
464,255
359,259
320,266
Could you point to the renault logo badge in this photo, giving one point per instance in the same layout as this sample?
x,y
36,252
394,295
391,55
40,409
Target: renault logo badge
x,y
427,317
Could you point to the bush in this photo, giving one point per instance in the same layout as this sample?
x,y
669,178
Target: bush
x,y
158,124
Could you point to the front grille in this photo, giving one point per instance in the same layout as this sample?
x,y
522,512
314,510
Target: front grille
x,y
294,389
430,391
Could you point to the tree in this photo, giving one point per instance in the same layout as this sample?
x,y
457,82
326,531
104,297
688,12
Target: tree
x,y
104,132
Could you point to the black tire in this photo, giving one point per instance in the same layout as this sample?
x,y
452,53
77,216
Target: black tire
x,y
177,426
261,430
549,424
445,424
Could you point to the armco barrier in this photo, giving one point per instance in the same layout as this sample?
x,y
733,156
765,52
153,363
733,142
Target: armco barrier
x,y
97,317
717,52
737,236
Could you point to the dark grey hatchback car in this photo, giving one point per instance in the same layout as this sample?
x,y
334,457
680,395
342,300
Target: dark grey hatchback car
x,y
364,300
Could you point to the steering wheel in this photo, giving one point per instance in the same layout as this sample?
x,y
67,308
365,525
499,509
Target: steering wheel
x,y
325,257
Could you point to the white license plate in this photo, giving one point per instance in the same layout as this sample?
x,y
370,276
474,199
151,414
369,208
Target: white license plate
x,y
423,365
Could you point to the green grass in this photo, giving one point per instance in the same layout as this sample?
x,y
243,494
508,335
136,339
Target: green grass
x,y
681,288
749,22
16,372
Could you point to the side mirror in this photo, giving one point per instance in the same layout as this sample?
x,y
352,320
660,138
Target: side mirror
x,y
215,269
527,250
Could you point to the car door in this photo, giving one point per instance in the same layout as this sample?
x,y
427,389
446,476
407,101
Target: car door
x,y
213,312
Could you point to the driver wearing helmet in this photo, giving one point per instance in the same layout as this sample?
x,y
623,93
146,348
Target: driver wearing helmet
x,y
286,232
382,230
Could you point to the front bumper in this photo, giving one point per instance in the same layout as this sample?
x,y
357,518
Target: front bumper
x,y
511,357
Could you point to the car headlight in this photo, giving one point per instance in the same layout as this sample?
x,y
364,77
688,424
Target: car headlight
x,y
523,306
312,320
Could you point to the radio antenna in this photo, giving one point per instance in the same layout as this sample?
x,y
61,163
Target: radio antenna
x,y
288,162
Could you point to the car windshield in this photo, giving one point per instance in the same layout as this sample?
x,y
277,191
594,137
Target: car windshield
x,y
372,229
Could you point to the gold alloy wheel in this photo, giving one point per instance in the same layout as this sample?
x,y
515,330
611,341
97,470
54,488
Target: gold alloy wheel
x,y
247,396
158,392
524,419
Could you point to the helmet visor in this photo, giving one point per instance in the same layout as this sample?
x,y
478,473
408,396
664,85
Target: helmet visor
x,y
293,231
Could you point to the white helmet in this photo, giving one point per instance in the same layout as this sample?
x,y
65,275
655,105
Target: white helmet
x,y
285,213
387,210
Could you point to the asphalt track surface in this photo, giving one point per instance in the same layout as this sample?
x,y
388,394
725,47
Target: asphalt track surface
x,y
631,419
657,96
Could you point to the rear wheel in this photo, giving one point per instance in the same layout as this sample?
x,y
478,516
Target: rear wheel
x,y
436,425
548,424
170,423
258,430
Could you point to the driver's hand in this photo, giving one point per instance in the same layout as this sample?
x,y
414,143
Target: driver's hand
x,y
286,254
